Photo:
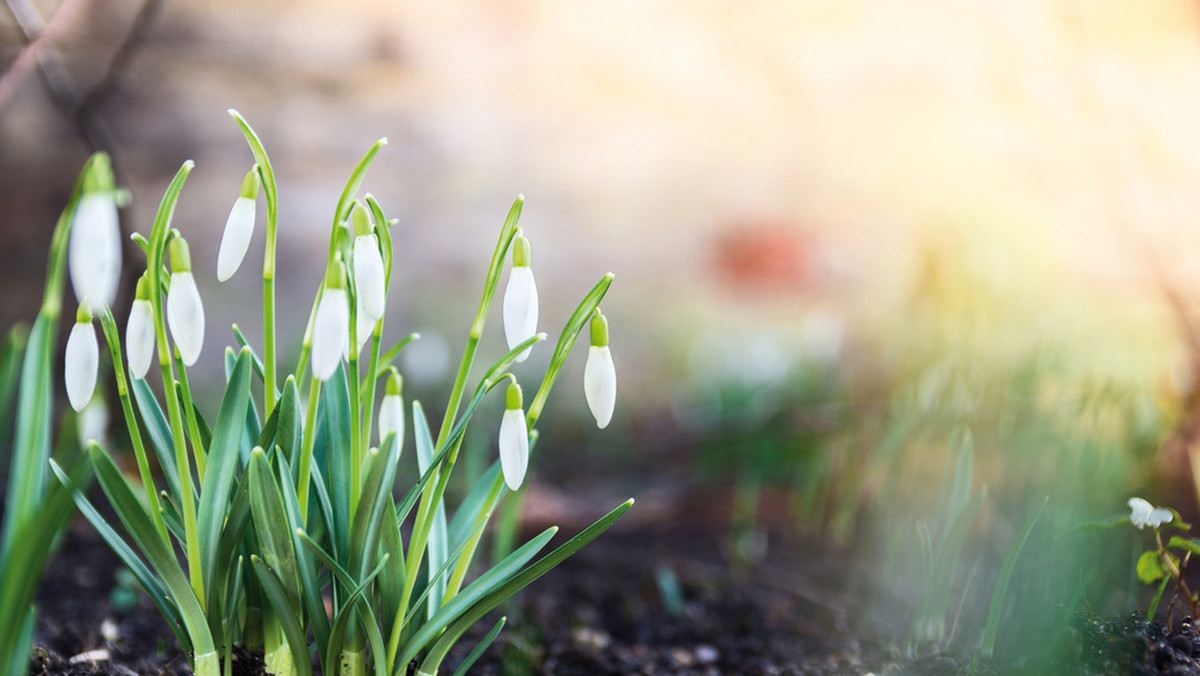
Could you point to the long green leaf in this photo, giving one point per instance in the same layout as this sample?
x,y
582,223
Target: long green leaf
x,y
161,439
436,546
310,584
271,525
1000,590
222,461
11,355
475,654
335,396
293,630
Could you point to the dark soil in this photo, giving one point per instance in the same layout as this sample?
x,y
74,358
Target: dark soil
x,y
609,610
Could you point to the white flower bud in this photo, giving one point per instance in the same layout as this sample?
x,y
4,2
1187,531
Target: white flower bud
x,y
139,338
368,276
94,252
391,410
331,328
1143,514
239,228
600,384
185,316
514,439
520,300
82,361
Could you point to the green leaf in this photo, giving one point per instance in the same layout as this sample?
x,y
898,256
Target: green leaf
x,y
271,525
437,545
378,479
514,584
341,622
11,354
486,583
475,654
1192,546
139,525
161,439
335,395
472,506
31,447
390,356
289,431
222,461
1000,590
1150,567
310,585
355,183
293,630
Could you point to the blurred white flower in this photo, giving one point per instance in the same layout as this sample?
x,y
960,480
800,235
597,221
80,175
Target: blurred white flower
x,y
239,228
514,439
369,275
81,362
1143,514
94,252
520,300
331,329
92,423
599,373
391,409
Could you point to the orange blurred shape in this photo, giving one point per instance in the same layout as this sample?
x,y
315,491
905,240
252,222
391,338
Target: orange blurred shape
x,y
765,254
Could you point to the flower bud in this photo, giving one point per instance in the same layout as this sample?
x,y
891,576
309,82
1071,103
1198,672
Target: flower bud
x,y
94,251
368,265
139,331
331,326
514,439
82,360
520,299
239,227
599,374
391,409
185,311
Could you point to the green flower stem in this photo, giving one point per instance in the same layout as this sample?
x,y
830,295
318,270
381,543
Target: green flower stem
x,y
112,337
306,450
189,410
464,560
158,245
366,391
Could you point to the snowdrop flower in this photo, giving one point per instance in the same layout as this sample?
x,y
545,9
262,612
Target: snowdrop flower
x,y
1144,514
94,252
391,409
185,311
514,439
599,374
92,422
331,326
239,227
82,360
139,331
363,324
520,299
368,266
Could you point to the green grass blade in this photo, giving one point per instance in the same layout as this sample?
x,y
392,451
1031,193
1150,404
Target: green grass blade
x,y
436,549
463,523
341,622
475,654
31,447
161,439
222,461
289,430
11,355
271,525
335,395
310,584
1000,590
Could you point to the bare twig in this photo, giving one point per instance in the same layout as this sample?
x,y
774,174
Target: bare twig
x,y
28,57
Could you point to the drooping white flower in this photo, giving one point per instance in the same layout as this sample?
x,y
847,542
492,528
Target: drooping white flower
x,y
331,326
363,324
139,332
94,251
92,423
368,265
391,409
239,228
514,439
185,310
599,373
82,360
520,299
1143,514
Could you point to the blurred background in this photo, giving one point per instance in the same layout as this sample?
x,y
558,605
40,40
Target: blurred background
x,y
842,233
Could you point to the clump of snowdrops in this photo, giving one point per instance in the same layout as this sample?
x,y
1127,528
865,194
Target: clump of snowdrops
x,y
287,517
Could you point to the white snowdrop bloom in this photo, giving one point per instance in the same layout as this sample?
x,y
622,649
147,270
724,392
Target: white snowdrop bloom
x,y
239,228
82,361
331,326
363,324
1143,514
92,423
94,251
514,439
369,274
185,310
139,332
391,409
599,373
520,299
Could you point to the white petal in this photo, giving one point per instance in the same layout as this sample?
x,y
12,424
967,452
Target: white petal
x,y
391,416
364,325
239,228
520,308
81,363
368,275
185,316
1143,514
514,447
600,384
94,252
1159,516
92,422
139,338
330,333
